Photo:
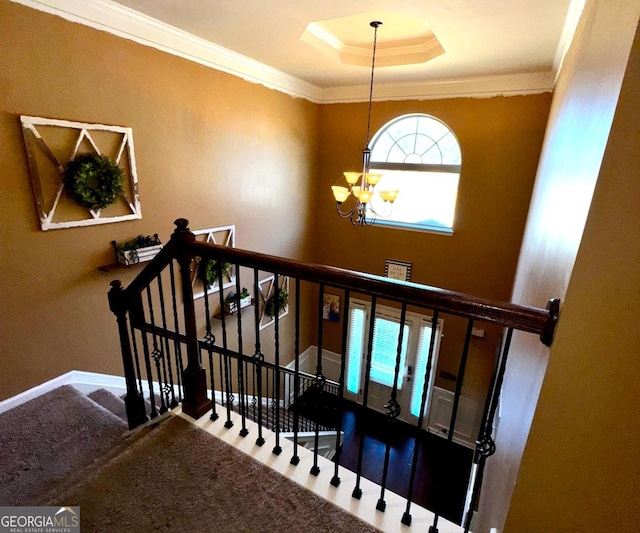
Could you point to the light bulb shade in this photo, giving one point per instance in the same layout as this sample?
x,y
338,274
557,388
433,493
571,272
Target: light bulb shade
x,y
356,191
372,179
365,196
389,196
340,193
352,177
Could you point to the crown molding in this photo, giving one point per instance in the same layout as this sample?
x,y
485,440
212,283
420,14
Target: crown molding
x,y
106,15
576,7
480,87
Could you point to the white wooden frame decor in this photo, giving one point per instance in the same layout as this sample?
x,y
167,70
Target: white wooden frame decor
x,y
223,236
51,144
266,289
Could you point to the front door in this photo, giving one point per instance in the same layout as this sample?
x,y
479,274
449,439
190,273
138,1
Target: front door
x,y
415,342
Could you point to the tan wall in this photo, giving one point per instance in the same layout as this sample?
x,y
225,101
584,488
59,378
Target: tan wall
x,y
581,467
210,147
501,139
584,103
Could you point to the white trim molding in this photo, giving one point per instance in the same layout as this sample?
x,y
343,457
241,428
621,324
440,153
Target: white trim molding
x,y
105,15
109,16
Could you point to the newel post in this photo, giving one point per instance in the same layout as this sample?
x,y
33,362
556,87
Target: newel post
x,y
194,378
134,401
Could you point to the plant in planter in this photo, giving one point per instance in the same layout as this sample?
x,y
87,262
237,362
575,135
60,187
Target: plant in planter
x,y
209,269
234,301
93,180
277,303
141,248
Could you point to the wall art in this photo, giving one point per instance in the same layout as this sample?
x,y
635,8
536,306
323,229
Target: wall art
x,y
51,145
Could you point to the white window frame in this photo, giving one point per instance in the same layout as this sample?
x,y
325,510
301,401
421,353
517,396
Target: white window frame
x,y
447,163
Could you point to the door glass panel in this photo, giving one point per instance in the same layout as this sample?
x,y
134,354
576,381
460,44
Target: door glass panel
x,y
421,367
384,353
355,348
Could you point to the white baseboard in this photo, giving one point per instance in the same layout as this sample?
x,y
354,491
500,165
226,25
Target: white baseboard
x,y
85,382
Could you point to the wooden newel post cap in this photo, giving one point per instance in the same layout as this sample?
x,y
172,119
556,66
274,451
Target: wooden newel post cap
x,y
182,233
116,285
182,225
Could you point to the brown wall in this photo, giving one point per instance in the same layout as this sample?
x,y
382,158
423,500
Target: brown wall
x,y
501,139
581,466
584,103
209,147
219,150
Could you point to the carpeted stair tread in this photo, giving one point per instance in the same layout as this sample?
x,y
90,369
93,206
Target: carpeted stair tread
x,y
109,401
180,478
48,437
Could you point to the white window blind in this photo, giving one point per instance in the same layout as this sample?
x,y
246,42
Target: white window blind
x,y
355,350
421,366
385,349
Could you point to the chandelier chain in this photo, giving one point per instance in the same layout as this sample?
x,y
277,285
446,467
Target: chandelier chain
x,y
375,24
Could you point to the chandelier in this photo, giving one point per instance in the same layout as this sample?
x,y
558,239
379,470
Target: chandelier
x,y
360,193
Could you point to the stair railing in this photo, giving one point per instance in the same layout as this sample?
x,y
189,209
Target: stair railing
x,y
160,322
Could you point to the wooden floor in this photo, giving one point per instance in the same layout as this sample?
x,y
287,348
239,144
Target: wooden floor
x,y
443,467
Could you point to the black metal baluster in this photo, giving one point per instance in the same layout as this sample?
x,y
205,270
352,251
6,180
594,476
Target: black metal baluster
x,y
335,480
268,399
209,341
296,376
319,381
357,491
485,445
228,399
393,409
258,356
177,343
147,363
277,449
241,390
136,357
166,361
406,517
156,353
460,380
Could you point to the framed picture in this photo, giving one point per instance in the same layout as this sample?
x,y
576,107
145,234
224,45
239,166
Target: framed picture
x,y
331,307
400,270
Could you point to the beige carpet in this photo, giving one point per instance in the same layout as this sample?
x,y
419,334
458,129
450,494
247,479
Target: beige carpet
x,y
179,478
46,439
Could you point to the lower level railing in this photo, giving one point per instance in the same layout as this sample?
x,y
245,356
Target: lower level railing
x,y
263,337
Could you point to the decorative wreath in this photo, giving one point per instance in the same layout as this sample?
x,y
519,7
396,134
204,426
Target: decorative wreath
x,y
93,180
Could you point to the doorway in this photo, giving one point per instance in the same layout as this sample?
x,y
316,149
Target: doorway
x,y
414,342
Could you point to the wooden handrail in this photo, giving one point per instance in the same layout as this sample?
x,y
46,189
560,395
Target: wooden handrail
x,y
531,319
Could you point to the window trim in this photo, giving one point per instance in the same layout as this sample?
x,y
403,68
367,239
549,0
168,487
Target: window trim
x,y
416,167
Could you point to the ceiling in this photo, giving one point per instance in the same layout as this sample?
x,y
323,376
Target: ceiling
x,y
517,42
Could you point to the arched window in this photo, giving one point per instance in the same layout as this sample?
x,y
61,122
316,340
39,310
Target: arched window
x,y
420,156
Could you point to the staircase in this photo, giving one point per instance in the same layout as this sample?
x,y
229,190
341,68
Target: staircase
x,y
66,448
52,437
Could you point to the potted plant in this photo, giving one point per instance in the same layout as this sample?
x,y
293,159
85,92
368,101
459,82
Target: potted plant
x,y
277,303
234,301
138,250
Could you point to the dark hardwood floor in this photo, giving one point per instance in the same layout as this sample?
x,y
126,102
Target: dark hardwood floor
x,y
443,469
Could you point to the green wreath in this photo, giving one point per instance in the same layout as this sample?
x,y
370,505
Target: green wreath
x,y
93,180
